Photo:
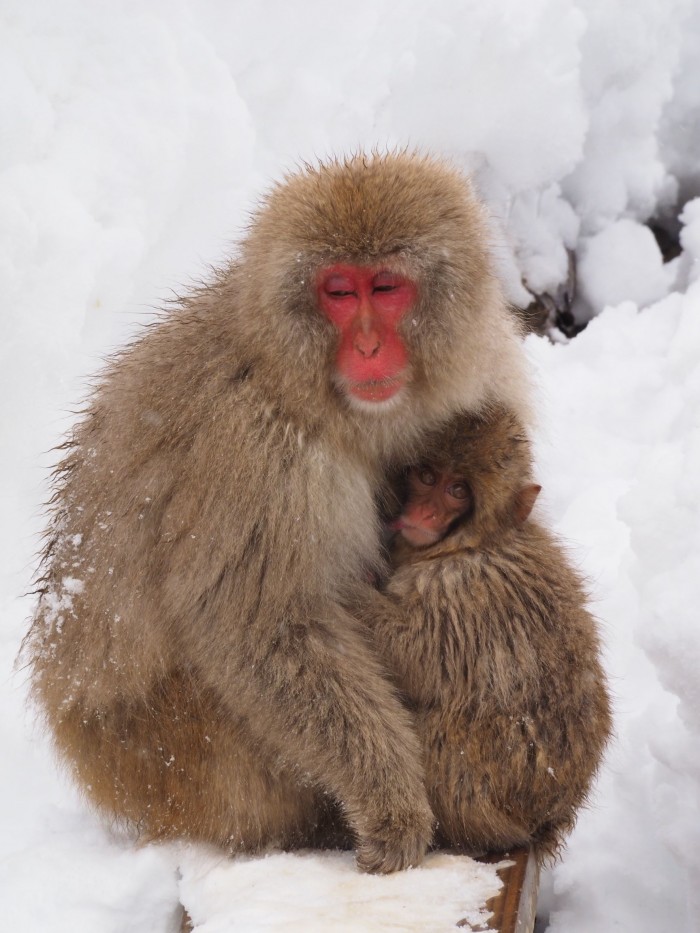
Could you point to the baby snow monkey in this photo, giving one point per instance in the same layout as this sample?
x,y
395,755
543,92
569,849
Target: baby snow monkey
x,y
486,631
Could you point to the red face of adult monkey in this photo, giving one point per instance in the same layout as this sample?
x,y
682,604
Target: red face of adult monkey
x,y
194,649
368,306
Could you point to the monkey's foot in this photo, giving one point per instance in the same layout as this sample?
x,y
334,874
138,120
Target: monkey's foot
x,y
394,846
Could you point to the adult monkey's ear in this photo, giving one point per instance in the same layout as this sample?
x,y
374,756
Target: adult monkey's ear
x,y
524,502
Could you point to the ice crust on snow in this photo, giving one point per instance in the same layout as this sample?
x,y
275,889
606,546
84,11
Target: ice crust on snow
x,y
135,138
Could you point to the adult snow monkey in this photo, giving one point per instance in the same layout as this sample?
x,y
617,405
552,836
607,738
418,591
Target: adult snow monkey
x,y
195,649
487,630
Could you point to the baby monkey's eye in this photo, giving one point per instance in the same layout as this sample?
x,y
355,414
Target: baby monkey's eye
x,y
458,491
426,476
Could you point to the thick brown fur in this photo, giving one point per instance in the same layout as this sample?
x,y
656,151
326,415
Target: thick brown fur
x,y
194,649
488,634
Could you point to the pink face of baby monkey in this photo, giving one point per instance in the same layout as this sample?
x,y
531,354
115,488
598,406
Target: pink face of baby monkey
x,y
435,501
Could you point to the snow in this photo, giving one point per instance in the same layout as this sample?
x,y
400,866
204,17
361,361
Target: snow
x,y
135,137
308,893
623,262
623,486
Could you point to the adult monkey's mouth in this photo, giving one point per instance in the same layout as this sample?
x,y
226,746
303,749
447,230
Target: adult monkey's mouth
x,y
376,390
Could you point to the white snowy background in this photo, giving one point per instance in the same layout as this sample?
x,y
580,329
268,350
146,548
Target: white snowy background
x,y
134,137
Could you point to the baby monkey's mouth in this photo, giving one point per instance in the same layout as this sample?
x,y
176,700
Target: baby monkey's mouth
x,y
416,535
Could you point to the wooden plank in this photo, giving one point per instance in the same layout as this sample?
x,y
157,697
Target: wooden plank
x,y
515,907
186,925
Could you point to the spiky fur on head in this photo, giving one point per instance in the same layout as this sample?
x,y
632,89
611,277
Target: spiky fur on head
x,y
412,214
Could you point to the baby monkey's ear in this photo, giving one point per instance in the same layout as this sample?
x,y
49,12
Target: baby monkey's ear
x,y
524,501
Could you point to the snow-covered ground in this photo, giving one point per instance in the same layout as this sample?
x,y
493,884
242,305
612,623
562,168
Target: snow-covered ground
x,y
134,137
